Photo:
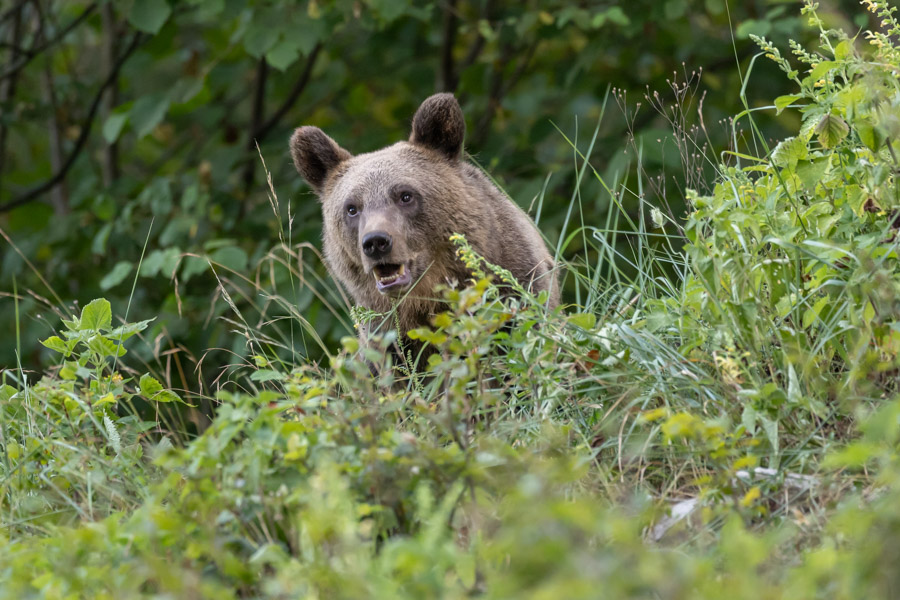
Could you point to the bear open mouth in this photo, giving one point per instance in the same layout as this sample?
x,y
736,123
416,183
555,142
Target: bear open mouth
x,y
390,277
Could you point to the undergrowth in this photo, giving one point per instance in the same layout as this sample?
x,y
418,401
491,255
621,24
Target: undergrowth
x,y
716,417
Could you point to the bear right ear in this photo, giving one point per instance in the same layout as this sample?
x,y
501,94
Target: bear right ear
x,y
315,155
439,124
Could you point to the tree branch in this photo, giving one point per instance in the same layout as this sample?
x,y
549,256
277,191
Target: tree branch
x,y
256,117
59,196
259,130
82,138
295,93
31,53
8,86
111,95
499,87
448,80
13,11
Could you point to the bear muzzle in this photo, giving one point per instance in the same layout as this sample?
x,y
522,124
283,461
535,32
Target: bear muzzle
x,y
391,278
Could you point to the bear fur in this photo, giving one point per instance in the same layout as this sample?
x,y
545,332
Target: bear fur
x,y
388,216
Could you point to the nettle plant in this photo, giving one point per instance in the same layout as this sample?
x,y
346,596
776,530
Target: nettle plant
x,y
794,287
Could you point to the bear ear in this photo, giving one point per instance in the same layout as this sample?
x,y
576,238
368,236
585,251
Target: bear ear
x,y
315,155
439,125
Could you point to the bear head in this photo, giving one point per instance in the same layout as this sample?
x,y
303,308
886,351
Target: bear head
x,y
388,214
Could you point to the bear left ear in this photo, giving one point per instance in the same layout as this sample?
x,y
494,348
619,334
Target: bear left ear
x,y
315,155
439,124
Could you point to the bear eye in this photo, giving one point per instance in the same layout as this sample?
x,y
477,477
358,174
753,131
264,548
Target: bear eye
x,y
405,197
352,210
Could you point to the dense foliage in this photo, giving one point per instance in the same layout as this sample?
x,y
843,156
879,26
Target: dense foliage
x,y
717,415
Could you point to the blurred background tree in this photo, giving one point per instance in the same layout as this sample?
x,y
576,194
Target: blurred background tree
x,y
143,122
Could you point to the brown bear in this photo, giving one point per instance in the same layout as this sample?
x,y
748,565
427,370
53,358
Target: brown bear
x,y
388,216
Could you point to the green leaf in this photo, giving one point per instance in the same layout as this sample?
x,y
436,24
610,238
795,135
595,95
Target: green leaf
x,y
782,102
284,53
263,375
868,134
160,262
56,344
230,257
843,50
811,314
147,112
113,126
753,26
96,316
583,320
831,130
820,71
6,393
127,330
261,34
788,152
149,15
149,385
104,346
117,275
153,390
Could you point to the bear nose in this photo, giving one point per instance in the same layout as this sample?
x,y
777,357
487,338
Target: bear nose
x,y
376,244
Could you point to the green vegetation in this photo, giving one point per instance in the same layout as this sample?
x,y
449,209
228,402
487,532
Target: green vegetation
x,y
716,414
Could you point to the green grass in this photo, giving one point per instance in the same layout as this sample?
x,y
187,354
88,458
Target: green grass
x,y
715,416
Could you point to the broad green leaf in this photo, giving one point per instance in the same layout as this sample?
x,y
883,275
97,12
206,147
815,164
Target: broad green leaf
x,y
820,70
96,316
811,314
153,390
113,126
261,34
284,53
124,332
788,152
149,385
868,313
230,257
149,15
56,344
104,346
160,262
263,375
832,130
147,112
583,320
868,134
843,50
98,245
7,392
158,196
753,26
782,102
117,275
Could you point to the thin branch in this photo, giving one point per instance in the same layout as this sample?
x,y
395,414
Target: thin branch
x,y
499,87
258,130
8,86
111,95
448,80
256,118
12,11
292,96
59,196
31,53
82,138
